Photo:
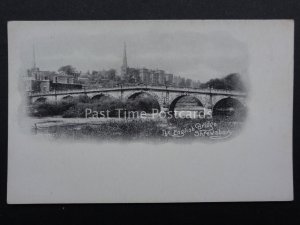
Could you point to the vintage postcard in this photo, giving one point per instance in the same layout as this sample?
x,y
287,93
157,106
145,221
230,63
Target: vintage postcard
x,y
150,111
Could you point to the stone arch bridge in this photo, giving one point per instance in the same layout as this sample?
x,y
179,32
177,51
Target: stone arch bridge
x,y
167,97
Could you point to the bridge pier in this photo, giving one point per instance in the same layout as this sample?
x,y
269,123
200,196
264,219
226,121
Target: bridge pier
x,y
122,93
164,109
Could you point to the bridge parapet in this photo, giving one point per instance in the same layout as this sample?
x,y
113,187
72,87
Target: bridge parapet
x,y
142,88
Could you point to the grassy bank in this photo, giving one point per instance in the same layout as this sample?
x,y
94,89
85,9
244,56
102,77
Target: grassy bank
x,y
138,129
76,107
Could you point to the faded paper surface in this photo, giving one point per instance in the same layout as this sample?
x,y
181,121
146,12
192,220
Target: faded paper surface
x,y
256,165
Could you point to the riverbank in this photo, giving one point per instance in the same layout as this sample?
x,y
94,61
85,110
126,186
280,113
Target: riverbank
x,y
138,129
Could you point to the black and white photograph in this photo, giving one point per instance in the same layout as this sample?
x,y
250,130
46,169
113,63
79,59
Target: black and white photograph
x,y
167,85
150,111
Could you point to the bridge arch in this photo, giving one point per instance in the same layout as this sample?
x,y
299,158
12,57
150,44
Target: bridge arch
x,y
67,98
40,100
229,107
152,100
175,101
84,98
101,97
138,93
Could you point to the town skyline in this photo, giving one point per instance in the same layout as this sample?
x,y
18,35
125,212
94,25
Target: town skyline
x,y
190,52
118,69
68,77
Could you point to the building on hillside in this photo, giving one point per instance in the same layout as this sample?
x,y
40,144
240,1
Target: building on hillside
x,y
161,77
45,81
169,79
63,79
155,80
36,74
188,83
145,76
176,81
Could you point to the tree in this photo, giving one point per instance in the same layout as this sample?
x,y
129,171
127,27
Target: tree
x,y
230,82
69,70
234,82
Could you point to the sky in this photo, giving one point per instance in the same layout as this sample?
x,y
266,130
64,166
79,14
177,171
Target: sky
x,y
191,49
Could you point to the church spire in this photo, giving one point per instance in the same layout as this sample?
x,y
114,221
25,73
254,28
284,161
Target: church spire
x,y
124,65
124,56
33,52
